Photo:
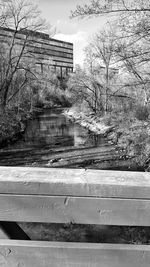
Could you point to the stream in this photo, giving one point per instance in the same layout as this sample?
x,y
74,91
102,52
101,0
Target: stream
x,y
51,140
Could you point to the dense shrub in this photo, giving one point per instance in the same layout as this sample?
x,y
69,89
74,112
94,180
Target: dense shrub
x,y
9,126
142,113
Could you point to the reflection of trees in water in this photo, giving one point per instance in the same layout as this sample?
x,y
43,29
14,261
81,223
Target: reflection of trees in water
x,y
57,130
96,139
85,137
80,136
49,130
55,126
32,131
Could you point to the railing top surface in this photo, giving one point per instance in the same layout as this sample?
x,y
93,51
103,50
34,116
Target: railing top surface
x,y
74,182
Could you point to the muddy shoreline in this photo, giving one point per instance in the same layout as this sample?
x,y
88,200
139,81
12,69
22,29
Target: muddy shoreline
x,y
121,159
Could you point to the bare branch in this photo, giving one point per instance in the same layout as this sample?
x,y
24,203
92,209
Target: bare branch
x,y
100,8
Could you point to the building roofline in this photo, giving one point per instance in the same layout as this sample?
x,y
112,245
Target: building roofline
x,y
38,34
53,39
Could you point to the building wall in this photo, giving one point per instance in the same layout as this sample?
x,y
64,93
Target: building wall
x,y
44,50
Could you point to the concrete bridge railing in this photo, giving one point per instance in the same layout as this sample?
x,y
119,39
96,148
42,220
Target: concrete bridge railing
x,y
77,196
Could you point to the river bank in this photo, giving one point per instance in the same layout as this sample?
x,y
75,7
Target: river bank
x,y
65,137
52,140
13,125
125,131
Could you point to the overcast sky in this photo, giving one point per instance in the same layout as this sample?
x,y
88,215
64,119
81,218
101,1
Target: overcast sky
x,y
57,13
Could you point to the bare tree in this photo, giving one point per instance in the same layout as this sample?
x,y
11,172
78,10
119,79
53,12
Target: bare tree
x,y
132,39
100,53
98,7
24,19
84,87
133,51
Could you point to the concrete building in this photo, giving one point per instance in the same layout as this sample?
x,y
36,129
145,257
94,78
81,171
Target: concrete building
x,y
45,51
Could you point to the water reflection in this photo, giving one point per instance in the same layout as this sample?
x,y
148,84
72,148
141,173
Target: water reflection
x,y
54,129
49,133
51,140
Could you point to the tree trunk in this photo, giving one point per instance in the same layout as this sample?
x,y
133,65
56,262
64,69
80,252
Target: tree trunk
x,y
106,89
